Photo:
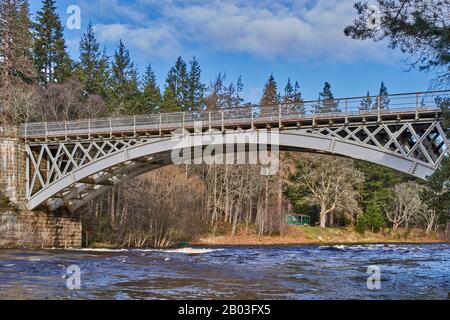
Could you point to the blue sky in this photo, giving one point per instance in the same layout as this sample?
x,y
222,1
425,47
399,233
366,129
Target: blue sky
x,y
301,39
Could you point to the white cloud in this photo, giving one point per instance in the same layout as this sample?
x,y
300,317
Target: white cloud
x,y
294,32
291,29
155,41
120,9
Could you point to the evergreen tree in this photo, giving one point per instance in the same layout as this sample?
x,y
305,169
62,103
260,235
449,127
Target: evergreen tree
x,y
16,62
366,103
52,61
151,96
239,90
169,101
372,219
384,98
196,90
419,28
124,82
378,184
300,105
326,101
270,94
270,97
92,68
292,98
288,97
178,82
443,103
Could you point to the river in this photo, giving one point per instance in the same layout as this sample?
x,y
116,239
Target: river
x,y
408,271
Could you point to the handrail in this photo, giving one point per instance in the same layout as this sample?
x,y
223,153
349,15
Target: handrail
x,y
278,112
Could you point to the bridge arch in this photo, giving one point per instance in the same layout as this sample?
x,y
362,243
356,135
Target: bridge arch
x,y
68,184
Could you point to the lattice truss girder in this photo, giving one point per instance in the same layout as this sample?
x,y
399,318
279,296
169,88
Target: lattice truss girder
x,y
50,161
423,142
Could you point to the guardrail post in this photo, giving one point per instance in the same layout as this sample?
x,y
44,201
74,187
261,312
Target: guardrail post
x,y
253,123
209,115
184,121
379,108
279,116
223,122
417,106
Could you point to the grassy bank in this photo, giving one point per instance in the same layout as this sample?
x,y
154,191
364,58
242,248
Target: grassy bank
x,y
316,235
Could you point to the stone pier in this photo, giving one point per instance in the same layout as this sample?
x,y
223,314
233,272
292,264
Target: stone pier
x,y
19,227
30,229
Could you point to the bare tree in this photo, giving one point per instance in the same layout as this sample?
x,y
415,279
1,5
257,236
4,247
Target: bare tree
x,y
68,101
406,204
429,216
329,182
157,209
18,104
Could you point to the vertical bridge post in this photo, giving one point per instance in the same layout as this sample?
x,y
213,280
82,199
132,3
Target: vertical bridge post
x,y
379,108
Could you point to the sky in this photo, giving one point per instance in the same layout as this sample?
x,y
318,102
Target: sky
x,y
300,39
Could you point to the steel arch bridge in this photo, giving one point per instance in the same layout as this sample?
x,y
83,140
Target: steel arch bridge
x,y
71,163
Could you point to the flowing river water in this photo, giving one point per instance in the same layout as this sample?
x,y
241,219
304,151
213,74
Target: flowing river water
x,y
408,271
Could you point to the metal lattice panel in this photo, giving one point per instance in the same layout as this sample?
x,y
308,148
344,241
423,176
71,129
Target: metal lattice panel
x,y
49,162
422,142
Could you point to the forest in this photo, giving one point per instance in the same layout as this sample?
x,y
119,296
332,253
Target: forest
x,y
40,81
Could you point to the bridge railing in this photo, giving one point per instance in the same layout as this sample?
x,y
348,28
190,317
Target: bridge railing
x,y
295,109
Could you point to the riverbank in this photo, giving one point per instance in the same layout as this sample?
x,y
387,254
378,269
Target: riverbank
x,y
315,235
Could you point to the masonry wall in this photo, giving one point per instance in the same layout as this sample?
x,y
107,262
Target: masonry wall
x,y
12,165
30,229
20,227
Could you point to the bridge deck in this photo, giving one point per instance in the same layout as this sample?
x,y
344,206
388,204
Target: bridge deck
x,y
160,124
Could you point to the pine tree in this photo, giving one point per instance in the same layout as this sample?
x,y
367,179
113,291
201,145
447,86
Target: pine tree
x,y
270,94
288,97
293,98
366,103
52,61
196,90
298,101
169,101
92,68
18,94
151,96
239,90
326,103
270,98
384,98
16,61
178,82
124,82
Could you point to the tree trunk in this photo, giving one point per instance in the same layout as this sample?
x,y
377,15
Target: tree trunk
x,y
323,220
227,195
280,201
395,226
323,216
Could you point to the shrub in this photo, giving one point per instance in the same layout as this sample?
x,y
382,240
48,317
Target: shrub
x,y
372,219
